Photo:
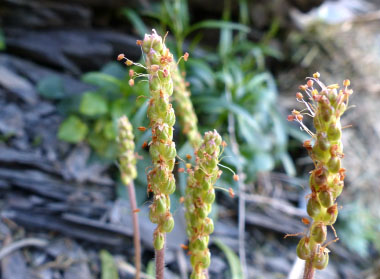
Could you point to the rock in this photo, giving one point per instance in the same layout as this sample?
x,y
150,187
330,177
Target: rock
x,y
12,156
217,265
78,169
11,120
37,14
42,47
14,266
277,264
18,86
60,49
35,73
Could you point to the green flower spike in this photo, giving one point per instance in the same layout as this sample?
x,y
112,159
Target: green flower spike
x,y
184,107
127,158
200,195
327,179
162,148
127,162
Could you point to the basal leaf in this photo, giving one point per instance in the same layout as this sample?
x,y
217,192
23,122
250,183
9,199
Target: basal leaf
x,y
72,130
93,104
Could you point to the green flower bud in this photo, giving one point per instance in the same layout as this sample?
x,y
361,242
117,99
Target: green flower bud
x,y
169,187
334,132
327,112
313,207
209,226
158,241
318,232
326,198
209,196
334,164
206,260
168,224
160,205
200,190
320,176
127,158
331,215
321,260
320,154
153,216
303,249
202,212
337,188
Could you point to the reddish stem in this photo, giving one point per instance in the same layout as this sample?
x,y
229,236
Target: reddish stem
x,y
160,263
136,230
309,270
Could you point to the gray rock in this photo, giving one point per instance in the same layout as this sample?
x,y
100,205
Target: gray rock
x,y
78,168
277,264
37,14
71,50
14,266
11,120
18,86
217,264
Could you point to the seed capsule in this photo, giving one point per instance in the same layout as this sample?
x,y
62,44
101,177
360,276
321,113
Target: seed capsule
x,y
303,249
321,260
168,224
158,241
334,164
331,214
313,207
319,232
326,198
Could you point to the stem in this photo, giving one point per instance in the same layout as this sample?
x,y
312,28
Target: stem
x,y
160,263
206,274
309,270
136,230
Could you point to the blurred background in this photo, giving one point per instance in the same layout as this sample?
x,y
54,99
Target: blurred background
x,y
64,212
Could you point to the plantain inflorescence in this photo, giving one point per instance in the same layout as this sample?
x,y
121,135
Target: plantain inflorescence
x,y
185,109
127,158
162,148
200,195
326,106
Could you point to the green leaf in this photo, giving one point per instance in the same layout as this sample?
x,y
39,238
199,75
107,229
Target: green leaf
x,y
109,269
114,69
2,41
121,107
232,258
263,161
217,24
211,103
104,147
202,72
136,21
93,104
72,130
288,164
151,269
103,80
51,87
110,131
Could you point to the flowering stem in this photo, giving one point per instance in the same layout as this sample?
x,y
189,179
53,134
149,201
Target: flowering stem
x,y
127,162
160,263
136,230
327,179
309,270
